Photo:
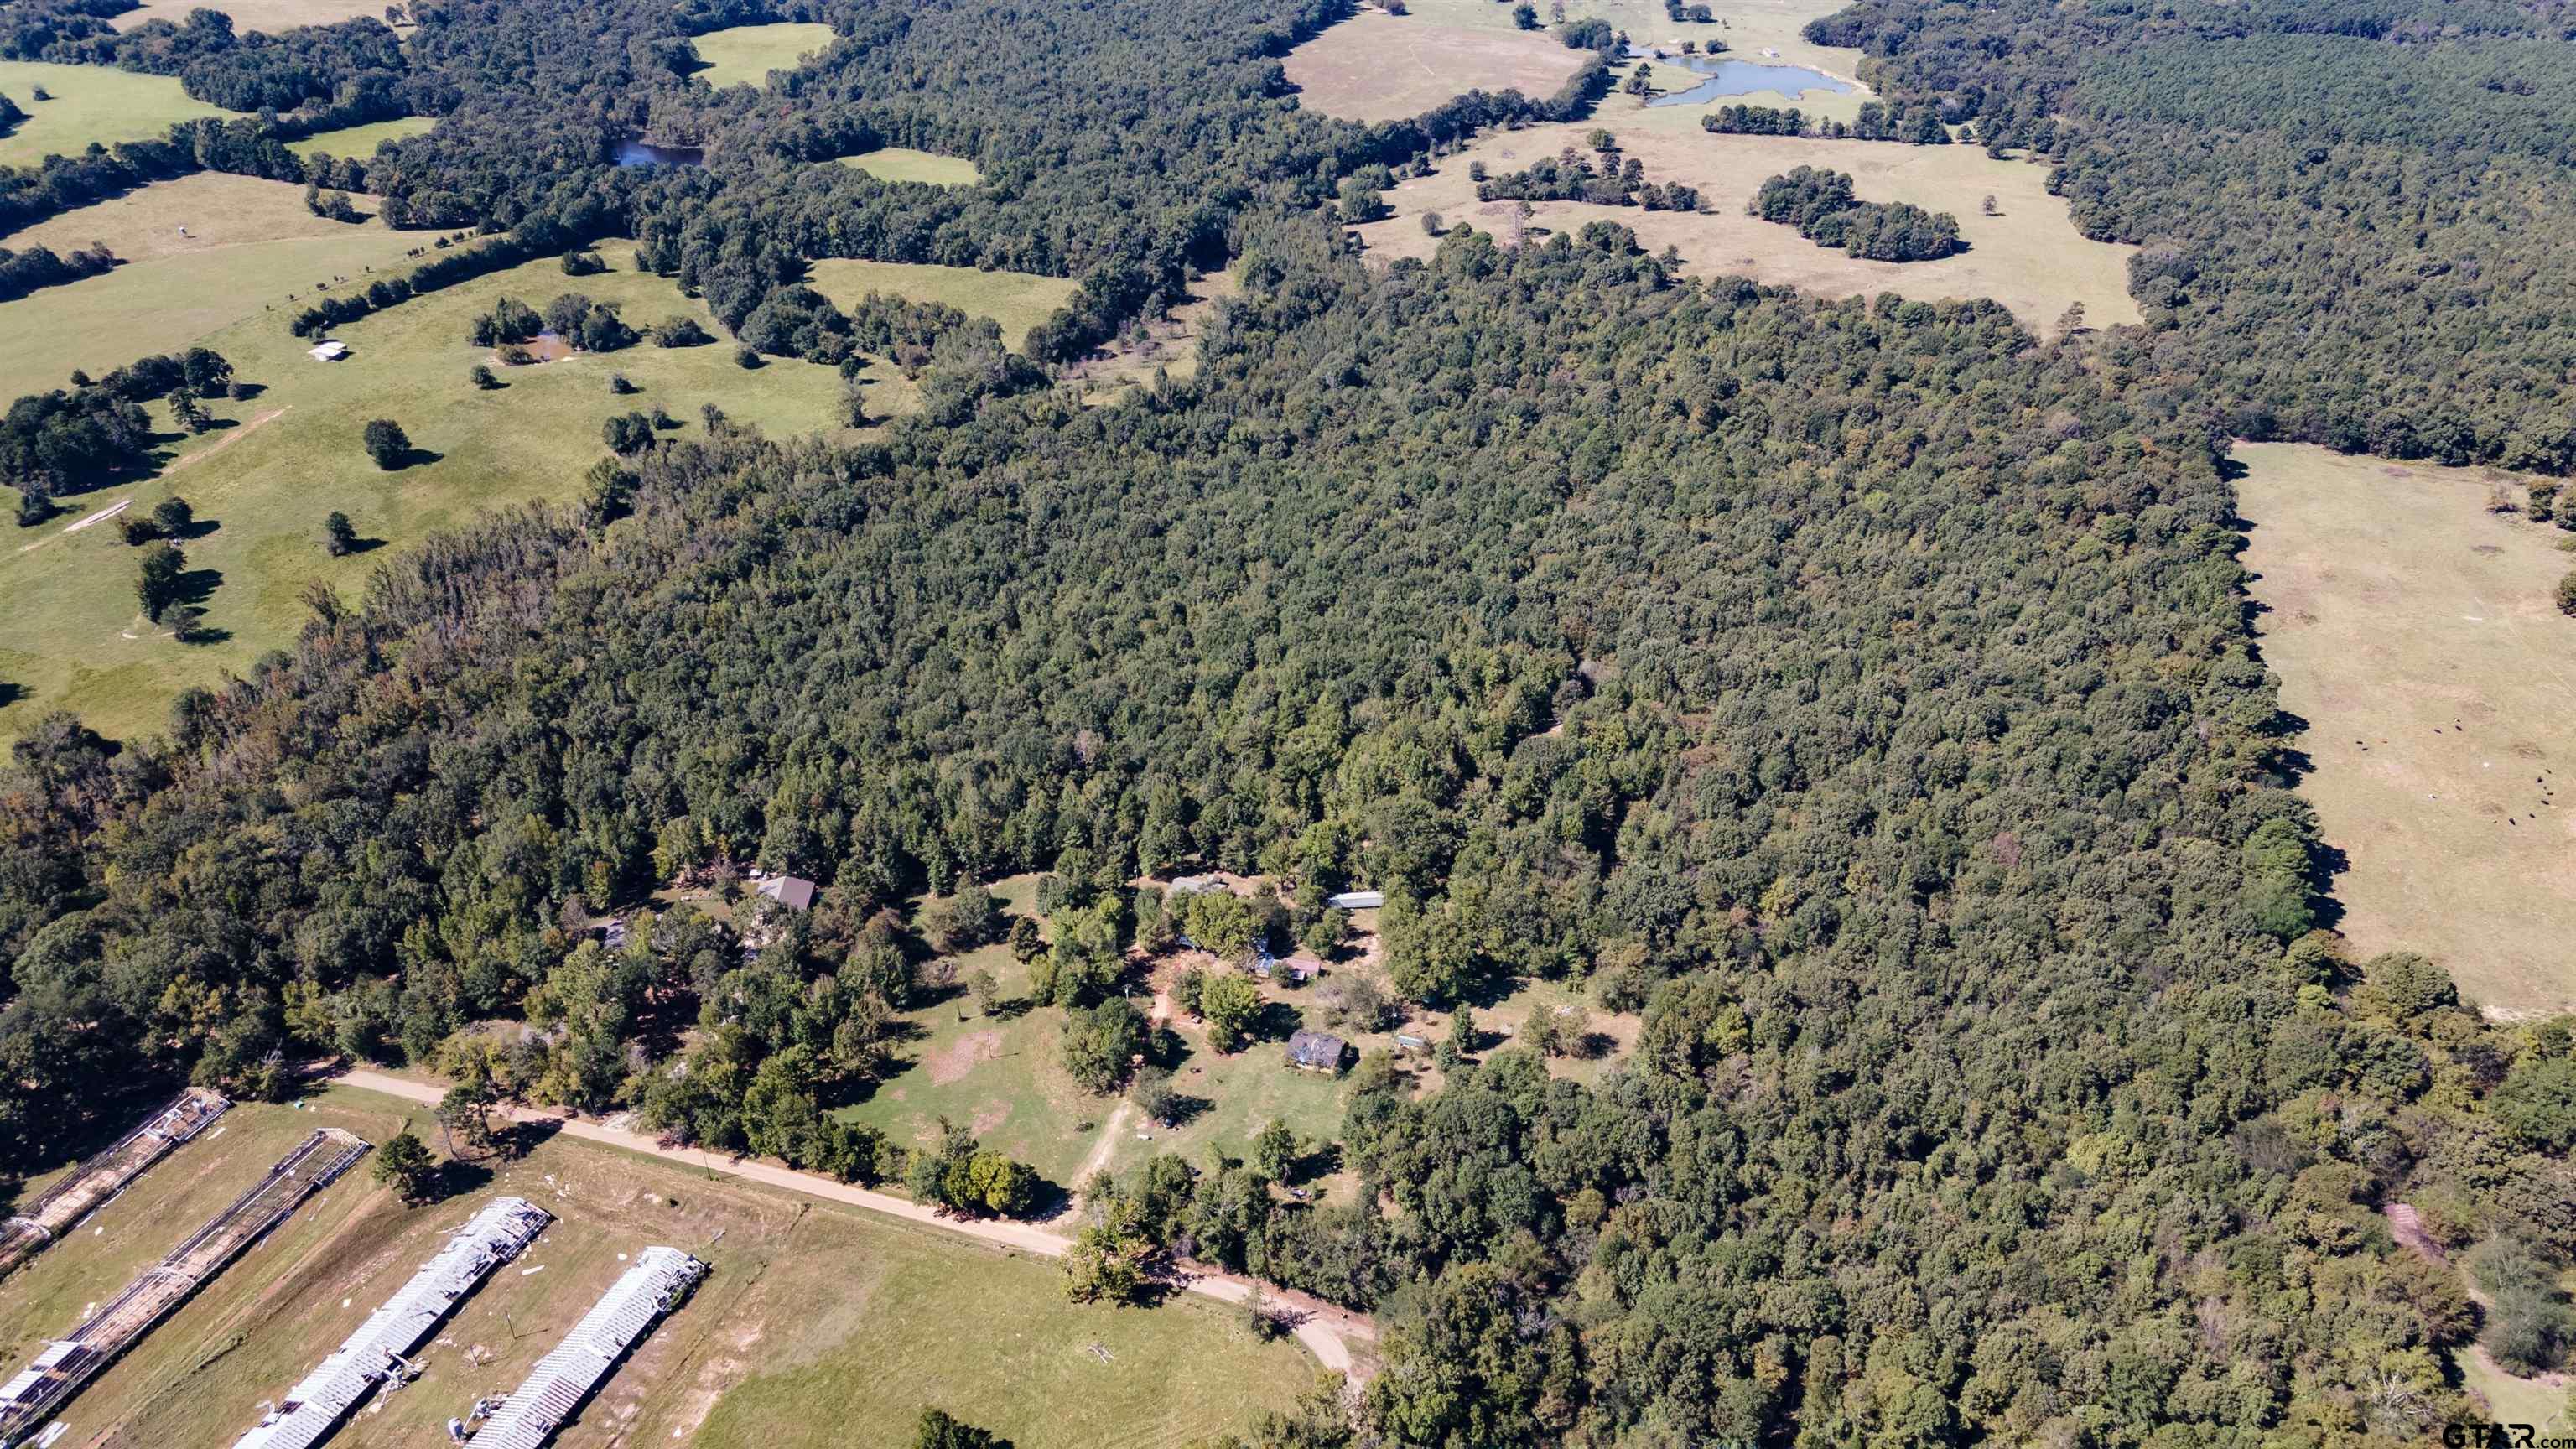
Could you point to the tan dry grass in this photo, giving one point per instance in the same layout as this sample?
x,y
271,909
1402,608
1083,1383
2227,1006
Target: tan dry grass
x,y
2414,631
1380,67
2030,257
270,16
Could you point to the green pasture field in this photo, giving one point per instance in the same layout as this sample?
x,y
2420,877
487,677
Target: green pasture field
x,y
90,103
270,16
1016,300
902,163
360,142
744,55
262,483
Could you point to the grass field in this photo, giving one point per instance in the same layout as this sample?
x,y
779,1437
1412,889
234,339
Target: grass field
x,y
271,16
2541,1403
2030,257
293,455
885,1317
1017,300
1380,67
251,244
1747,28
902,163
360,142
90,103
2414,632
744,55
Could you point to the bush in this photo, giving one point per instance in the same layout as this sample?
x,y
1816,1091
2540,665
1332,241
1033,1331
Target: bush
x,y
680,332
2567,596
339,537
746,358
483,377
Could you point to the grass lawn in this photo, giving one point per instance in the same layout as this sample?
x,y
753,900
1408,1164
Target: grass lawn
x,y
271,16
884,1317
90,103
1017,300
2538,1402
292,454
901,163
744,55
2414,632
360,142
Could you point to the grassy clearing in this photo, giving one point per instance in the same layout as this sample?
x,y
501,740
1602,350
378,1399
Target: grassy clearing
x,y
292,454
90,103
2543,1403
360,142
2415,634
1017,300
902,163
1747,28
886,1317
251,245
270,16
1167,344
1380,67
2029,256
744,55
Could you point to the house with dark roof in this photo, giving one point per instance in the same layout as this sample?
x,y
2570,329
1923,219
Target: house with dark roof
x,y
1316,1051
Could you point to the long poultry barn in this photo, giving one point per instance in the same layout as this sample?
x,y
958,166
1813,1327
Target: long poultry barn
x,y
67,1365
101,1177
564,1378
315,1408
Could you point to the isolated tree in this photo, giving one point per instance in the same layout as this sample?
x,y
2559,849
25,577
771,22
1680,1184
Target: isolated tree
x,y
1988,205
985,990
1230,1003
187,623
1154,1095
387,443
1525,16
339,536
483,378
746,358
938,1431
2567,595
2072,319
173,515
404,1164
157,584
618,385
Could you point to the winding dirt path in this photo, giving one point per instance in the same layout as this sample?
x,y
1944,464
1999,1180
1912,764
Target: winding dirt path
x,y
1329,1333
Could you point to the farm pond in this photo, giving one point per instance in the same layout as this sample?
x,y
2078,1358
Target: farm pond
x,y
645,153
1723,78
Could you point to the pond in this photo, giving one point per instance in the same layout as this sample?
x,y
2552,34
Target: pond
x,y
645,153
1743,78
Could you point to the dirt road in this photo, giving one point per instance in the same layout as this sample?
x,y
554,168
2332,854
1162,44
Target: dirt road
x,y
1327,1332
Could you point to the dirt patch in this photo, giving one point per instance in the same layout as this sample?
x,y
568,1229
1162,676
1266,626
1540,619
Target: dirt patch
x,y
991,1116
1380,67
952,1062
230,437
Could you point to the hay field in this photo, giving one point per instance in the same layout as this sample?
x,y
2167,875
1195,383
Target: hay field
x,y
902,163
360,142
292,454
805,1296
744,55
271,16
1380,67
2030,257
2415,633
250,244
1017,300
90,103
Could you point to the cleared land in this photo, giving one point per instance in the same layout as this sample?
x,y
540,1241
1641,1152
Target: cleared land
x,y
361,141
271,16
2030,257
250,245
1380,67
902,163
42,1218
744,55
90,103
261,486
2414,632
806,1298
1016,300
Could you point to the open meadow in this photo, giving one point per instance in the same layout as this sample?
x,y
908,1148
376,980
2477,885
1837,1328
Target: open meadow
x,y
1380,67
261,483
889,1317
360,142
1016,300
269,16
2414,631
2029,256
744,55
902,163
90,103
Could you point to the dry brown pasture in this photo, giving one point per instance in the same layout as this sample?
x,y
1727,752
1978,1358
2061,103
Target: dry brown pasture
x,y
1380,67
2029,257
270,16
2415,632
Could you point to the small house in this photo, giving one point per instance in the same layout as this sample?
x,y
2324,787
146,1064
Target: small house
x,y
1190,885
792,891
329,349
1316,1051
1356,900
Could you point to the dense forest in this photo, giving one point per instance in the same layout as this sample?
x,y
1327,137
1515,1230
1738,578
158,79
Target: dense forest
x,y
1861,690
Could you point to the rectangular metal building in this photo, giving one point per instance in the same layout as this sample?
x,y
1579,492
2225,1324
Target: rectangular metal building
x,y
564,1378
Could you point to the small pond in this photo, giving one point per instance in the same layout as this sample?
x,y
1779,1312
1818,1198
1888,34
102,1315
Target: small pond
x,y
1726,78
645,153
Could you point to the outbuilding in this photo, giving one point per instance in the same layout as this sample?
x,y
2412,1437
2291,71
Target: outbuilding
x,y
1316,1051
